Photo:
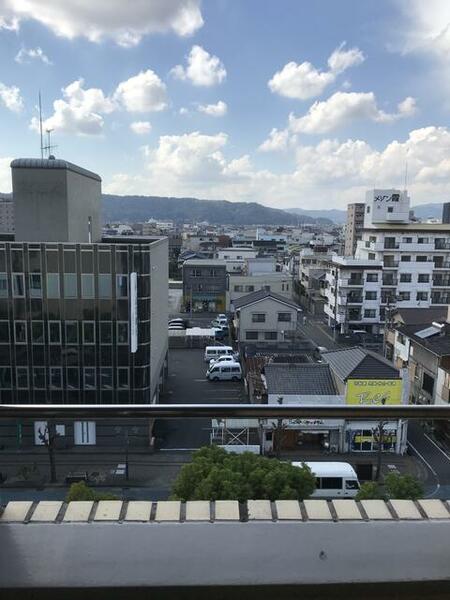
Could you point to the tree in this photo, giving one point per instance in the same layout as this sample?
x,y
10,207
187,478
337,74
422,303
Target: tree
x,y
80,491
370,491
403,487
215,474
48,437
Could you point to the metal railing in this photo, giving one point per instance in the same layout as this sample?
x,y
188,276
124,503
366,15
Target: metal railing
x,y
242,411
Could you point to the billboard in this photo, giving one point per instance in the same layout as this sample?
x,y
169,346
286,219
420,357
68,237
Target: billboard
x,y
374,392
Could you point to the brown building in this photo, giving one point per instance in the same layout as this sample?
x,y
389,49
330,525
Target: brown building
x,y
354,227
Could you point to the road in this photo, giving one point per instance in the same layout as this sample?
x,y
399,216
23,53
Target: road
x,y
434,458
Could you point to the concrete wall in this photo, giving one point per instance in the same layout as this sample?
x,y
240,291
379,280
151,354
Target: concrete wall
x,y
84,197
159,309
270,308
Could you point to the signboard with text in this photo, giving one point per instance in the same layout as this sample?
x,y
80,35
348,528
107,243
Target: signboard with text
x,y
374,392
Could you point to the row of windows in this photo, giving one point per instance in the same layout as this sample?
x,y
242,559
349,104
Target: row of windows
x,y
74,331
268,335
283,317
206,273
40,378
406,296
70,280
68,261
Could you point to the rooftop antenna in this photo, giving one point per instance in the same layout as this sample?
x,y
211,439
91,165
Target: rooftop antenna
x,y
48,148
40,125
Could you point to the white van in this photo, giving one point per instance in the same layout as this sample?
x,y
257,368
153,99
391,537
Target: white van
x,y
334,479
224,372
216,351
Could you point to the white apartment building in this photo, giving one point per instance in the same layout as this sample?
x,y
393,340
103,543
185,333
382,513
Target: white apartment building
x,y
312,269
414,260
259,274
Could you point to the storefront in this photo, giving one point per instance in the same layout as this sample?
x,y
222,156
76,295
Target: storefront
x,y
362,436
303,434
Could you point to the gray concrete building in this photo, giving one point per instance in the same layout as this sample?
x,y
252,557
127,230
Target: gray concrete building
x,y
6,214
204,285
80,322
353,227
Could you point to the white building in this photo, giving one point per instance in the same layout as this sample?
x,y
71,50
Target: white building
x,y
415,261
259,274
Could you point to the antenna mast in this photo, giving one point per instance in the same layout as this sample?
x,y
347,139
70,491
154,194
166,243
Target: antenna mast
x,y
40,125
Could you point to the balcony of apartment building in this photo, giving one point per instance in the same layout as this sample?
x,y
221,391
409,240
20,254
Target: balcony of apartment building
x,y
389,279
441,263
441,280
440,298
354,298
354,314
390,263
390,244
441,244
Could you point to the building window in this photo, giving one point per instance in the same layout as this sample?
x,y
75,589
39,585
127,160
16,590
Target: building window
x,y
121,286
367,209
371,295
37,332
105,332
238,288
370,313
70,285
372,277
20,332
405,258
55,378
104,286
122,332
54,332
404,296
87,286
5,378
390,209
407,240
422,240
284,317
71,332
4,332
73,381
196,272
39,378
249,288
251,335
213,273
3,285
89,378
18,285
22,378
423,278
84,433
88,332
405,277
53,285
421,258
401,338
35,285
123,378
422,296
258,318
270,335
428,383
106,378
371,256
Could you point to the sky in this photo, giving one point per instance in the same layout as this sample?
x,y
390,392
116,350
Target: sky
x,y
289,103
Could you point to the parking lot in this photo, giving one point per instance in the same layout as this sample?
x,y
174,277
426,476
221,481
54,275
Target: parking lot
x,y
187,385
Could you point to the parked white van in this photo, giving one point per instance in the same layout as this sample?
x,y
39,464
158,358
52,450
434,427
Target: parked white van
x,y
216,351
333,479
226,358
224,371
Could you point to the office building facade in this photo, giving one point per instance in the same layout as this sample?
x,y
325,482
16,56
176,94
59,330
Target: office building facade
x,y
353,227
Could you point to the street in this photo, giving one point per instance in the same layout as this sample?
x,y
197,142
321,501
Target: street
x,y
437,461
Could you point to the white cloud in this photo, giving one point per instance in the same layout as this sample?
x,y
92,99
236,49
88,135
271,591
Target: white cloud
x,y
80,111
141,127
214,110
114,19
10,97
5,174
344,107
277,140
426,27
303,81
330,173
183,111
27,55
144,92
342,59
203,69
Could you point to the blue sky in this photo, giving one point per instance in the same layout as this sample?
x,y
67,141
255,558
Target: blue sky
x,y
179,97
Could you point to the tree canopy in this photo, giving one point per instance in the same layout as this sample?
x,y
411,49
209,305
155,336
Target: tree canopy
x,y
215,474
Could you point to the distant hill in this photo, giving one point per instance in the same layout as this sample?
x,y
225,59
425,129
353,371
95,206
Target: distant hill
x,y
426,211
190,210
334,215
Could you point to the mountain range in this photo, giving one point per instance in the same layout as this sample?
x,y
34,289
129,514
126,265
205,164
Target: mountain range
x,y
192,210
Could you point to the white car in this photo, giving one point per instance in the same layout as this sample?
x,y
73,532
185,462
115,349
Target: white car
x,y
222,359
